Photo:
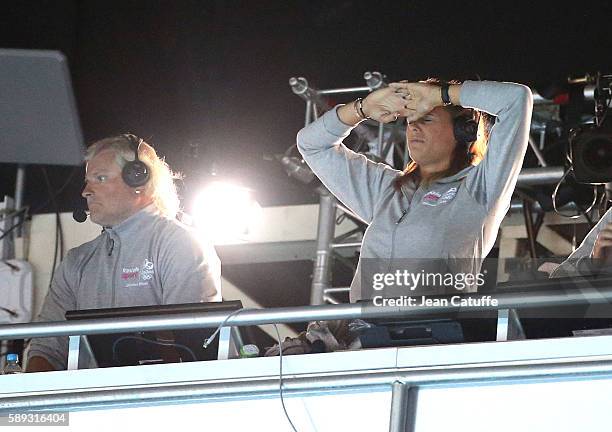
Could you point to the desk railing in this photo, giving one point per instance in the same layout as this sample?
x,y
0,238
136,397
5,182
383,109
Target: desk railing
x,y
504,301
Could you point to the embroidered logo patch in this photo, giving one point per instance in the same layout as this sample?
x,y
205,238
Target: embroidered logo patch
x,y
147,270
433,198
448,195
138,276
130,273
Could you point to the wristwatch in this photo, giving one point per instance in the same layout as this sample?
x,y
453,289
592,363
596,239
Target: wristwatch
x,y
444,95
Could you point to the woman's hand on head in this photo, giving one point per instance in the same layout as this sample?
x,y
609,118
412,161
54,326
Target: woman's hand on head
x,y
402,99
419,98
385,105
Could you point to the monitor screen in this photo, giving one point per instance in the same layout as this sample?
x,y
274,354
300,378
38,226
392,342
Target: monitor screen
x,y
581,316
153,346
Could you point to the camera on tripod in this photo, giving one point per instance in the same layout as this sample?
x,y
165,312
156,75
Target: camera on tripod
x,y
590,144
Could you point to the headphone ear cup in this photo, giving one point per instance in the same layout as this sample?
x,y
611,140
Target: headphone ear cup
x,y
465,130
135,173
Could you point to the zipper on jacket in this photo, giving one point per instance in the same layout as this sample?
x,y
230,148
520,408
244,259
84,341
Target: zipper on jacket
x,y
401,217
114,275
404,213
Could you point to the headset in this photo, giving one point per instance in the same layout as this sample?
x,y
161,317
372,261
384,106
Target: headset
x,y
135,173
465,128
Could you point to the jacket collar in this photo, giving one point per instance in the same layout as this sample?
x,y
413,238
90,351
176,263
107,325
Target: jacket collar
x,y
455,177
410,187
135,221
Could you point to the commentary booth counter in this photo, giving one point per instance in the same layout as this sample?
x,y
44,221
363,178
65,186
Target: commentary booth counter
x,y
504,384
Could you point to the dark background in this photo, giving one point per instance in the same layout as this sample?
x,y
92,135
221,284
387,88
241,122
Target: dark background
x,y
214,74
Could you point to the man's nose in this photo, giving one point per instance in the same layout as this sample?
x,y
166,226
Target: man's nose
x,y
87,192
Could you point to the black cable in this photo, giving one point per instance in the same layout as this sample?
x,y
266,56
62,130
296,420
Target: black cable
x,y
584,213
54,252
554,198
280,377
25,209
59,191
15,226
58,221
9,215
280,355
59,233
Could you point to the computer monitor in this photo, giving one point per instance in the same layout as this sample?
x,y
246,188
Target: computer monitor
x,y
563,320
155,346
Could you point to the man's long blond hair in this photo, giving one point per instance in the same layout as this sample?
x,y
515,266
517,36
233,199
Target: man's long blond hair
x,y
160,187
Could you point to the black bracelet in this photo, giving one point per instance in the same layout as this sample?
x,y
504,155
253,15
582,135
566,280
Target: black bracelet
x,y
360,109
360,106
444,95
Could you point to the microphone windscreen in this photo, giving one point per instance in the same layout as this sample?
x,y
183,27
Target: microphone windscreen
x,y
79,215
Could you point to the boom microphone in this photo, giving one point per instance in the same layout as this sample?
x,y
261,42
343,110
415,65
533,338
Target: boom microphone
x,y
79,215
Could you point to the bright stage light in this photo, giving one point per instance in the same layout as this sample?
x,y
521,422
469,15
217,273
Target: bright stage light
x,y
226,213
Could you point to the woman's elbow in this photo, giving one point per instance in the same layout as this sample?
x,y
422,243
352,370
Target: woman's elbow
x,y
299,139
302,142
523,95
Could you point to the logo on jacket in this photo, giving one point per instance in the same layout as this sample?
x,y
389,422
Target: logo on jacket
x,y
130,273
135,276
147,270
433,198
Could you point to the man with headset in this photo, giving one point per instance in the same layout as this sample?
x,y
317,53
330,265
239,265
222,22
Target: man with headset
x,y
143,256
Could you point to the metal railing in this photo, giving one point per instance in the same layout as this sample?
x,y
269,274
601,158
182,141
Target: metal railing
x,y
296,385
584,295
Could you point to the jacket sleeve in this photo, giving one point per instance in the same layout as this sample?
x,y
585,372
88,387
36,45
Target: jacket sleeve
x,y
60,298
354,179
579,262
190,269
494,179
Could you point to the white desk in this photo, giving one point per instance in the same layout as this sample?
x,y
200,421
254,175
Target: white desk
x,y
553,384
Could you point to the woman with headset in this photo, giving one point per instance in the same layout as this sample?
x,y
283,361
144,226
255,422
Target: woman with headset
x,y
448,204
